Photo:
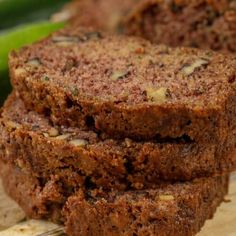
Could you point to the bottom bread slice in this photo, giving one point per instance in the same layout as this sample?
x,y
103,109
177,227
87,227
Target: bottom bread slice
x,y
179,209
166,209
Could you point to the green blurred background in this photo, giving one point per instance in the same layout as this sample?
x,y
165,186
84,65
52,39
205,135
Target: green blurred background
x,y
23,22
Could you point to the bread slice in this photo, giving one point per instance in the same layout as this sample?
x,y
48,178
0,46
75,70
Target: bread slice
x,y
195,23
80,158
127,87
181,207
105,15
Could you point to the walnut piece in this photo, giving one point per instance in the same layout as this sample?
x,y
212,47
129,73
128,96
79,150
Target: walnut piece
x,y
158,96
190,68
53,132
65,41
116,75
166,197
34,62
19,71
79,142
63,136
13,124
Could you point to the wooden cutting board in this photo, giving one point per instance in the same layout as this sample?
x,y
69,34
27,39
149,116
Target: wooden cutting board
x,y
13,223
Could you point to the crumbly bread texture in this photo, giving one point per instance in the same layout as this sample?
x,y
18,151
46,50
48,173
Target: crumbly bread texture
x,y
180,209
107,15
39,199
168,209
209,24
127,87
84,158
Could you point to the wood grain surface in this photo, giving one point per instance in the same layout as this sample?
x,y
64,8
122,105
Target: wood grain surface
x,y
224,221
12,219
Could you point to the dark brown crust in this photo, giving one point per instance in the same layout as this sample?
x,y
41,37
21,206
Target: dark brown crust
x,y
208,24
103,162
90,97
182,206
183,213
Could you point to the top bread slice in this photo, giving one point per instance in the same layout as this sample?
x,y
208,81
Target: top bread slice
x,y
127,87
205,24
162,210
